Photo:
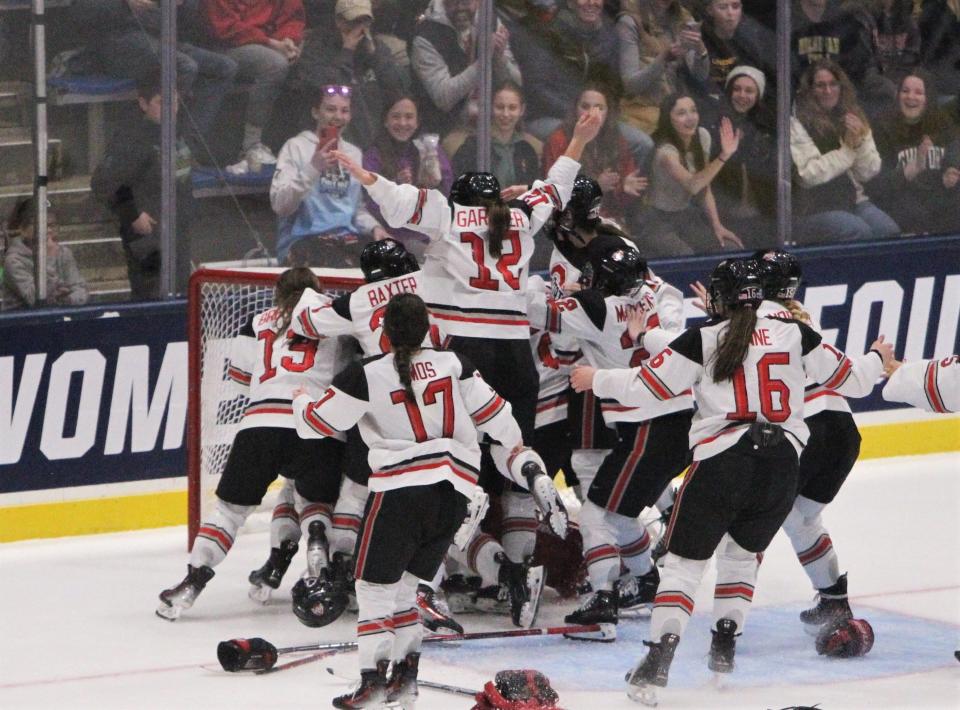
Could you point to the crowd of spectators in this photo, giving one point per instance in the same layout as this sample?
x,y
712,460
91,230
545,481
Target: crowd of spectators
x,y
687,154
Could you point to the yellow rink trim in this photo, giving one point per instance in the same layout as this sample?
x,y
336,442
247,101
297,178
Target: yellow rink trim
x,y
154,510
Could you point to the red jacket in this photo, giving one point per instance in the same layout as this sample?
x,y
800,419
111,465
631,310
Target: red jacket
x,y
239,22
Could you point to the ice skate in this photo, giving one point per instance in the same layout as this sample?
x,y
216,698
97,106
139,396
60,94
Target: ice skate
x,y
652,672
461,593
548,500
318,554
599,608
267,578
402,686
723,646
174,600
637,592
371,690
523,585
434,612
832,608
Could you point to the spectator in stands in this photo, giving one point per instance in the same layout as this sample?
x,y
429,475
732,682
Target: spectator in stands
x,y
65,285
347,53
606,158
834,155
400,154
829,29
939,23
264,37
443,56
125,42
745,187
661,53
896,38
920,149
514,155
321,216
682,217
128,181
733,39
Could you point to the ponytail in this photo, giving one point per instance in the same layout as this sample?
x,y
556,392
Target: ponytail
x,y
290,286
796,310
405,324
498,224
734,342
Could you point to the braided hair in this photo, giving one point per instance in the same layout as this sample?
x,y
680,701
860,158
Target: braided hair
x,y
405,324
290,286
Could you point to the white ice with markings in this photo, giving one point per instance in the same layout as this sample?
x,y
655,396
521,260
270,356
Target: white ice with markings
x,y
78,628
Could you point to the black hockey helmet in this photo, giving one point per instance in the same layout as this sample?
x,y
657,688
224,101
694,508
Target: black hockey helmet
x,y
616,267
386,259
780,273
583,207
318,601
470,188
735,283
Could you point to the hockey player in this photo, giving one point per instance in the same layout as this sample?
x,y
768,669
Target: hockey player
x,y
826,461
930,385
748,377
651,442
419,410
270,361
388,270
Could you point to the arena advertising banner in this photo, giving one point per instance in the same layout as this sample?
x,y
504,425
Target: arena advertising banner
x,y
100,395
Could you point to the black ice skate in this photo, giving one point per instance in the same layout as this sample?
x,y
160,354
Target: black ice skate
x,y
174,600
523,585
434,612
637,592
652,672
599,608
267,578
371,691
548,500
723,646
402,686
832,608
318,553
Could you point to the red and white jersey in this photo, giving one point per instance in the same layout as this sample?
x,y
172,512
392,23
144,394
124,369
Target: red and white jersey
x,y
359,313
817,397
669,302
600,325
554,357
414,443
931,385
273,365
767,387
469,291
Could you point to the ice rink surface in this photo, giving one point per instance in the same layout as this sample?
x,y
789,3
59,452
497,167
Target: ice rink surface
x,y
78,628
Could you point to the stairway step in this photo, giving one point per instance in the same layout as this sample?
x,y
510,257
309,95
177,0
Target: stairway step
x,y
70,197
17,158
99,254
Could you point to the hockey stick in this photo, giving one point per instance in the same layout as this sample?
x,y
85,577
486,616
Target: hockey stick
x,y
298,662
258,654
456,689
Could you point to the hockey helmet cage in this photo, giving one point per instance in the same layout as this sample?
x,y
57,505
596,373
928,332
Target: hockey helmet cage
x,y
780,273
617,268
471,189
385,259
735,283
852,638
317,601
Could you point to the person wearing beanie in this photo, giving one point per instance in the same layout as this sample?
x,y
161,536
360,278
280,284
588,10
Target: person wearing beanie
x,y
745,188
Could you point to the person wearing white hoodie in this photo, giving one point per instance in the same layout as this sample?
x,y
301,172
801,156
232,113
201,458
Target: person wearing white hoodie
x,y
322,220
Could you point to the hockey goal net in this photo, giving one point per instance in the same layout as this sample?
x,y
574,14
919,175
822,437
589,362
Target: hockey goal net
x,y
219,303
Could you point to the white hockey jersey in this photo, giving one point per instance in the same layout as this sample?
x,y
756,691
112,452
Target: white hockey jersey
x,y
600,325
768,387
272,365
359,313
931,385
554,357
414,443
469,291
817,398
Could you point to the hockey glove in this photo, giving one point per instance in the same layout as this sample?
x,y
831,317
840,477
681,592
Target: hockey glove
x,y
852,638
246,654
